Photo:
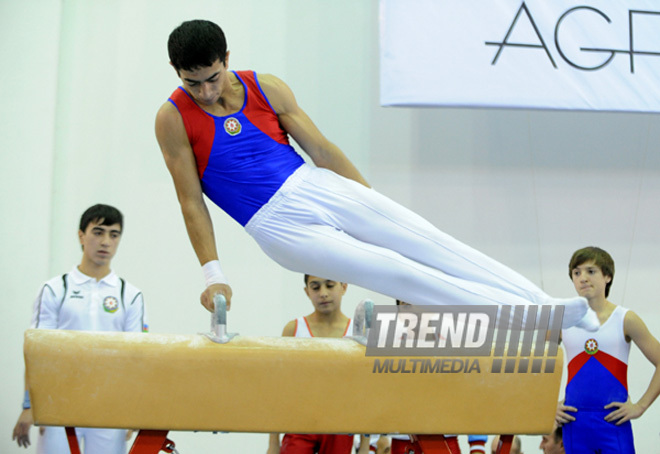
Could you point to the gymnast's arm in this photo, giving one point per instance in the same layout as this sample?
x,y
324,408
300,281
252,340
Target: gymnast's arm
x,y
562,415
45,315
136,316
364,444
180,161
637,331
273,444
303,130
22,428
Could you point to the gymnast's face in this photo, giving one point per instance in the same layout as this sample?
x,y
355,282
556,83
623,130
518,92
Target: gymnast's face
x,y
589,280
100,242
325,294
206,83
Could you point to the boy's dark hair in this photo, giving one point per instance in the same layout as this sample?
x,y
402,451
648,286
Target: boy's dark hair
x,y
196,43
307,276
105,214
558,433
601,259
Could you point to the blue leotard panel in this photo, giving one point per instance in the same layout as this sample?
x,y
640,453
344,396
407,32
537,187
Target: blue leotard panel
x,y
243,158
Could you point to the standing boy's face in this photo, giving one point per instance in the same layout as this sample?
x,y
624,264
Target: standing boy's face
x,y
589,280
100,242
325,294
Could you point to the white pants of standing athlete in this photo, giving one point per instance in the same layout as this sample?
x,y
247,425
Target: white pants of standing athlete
x,y
91,441
325,225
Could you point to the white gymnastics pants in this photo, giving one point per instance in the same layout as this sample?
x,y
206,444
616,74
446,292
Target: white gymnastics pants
x,y
322,224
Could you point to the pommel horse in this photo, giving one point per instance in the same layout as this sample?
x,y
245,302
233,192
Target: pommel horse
x,y
214,382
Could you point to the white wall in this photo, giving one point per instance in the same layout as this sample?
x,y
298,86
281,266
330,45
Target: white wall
x,y
80,88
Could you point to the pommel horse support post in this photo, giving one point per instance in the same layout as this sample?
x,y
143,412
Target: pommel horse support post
x,y
191,383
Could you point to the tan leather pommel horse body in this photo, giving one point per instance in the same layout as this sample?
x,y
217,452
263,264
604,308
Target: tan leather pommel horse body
x,y
187,382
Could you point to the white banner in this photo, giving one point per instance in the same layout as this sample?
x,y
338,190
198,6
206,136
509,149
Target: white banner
x,y
550,54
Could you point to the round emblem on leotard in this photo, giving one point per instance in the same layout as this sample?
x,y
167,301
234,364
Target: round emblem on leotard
x,y
110,304
591,346
232,126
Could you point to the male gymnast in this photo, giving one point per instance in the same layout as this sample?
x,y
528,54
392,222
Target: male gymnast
x,y
225,134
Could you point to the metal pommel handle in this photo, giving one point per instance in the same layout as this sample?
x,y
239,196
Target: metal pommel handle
x,y
362,321
218,332
219,319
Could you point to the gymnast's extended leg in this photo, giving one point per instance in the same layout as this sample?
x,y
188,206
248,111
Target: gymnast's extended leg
x,y
362,237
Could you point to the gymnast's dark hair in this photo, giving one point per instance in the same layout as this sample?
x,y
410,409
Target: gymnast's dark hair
x,y
196,43
105,214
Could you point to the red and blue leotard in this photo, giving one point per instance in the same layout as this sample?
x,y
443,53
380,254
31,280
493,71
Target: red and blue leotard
x,y
243,158
597,376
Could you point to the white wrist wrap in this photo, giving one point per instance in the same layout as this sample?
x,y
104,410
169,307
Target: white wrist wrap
x,y
213,273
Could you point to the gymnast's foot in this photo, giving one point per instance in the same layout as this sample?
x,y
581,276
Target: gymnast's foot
x,y
589,322
578,313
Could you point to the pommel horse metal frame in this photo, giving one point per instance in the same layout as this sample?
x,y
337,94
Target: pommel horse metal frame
x,y
73,377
